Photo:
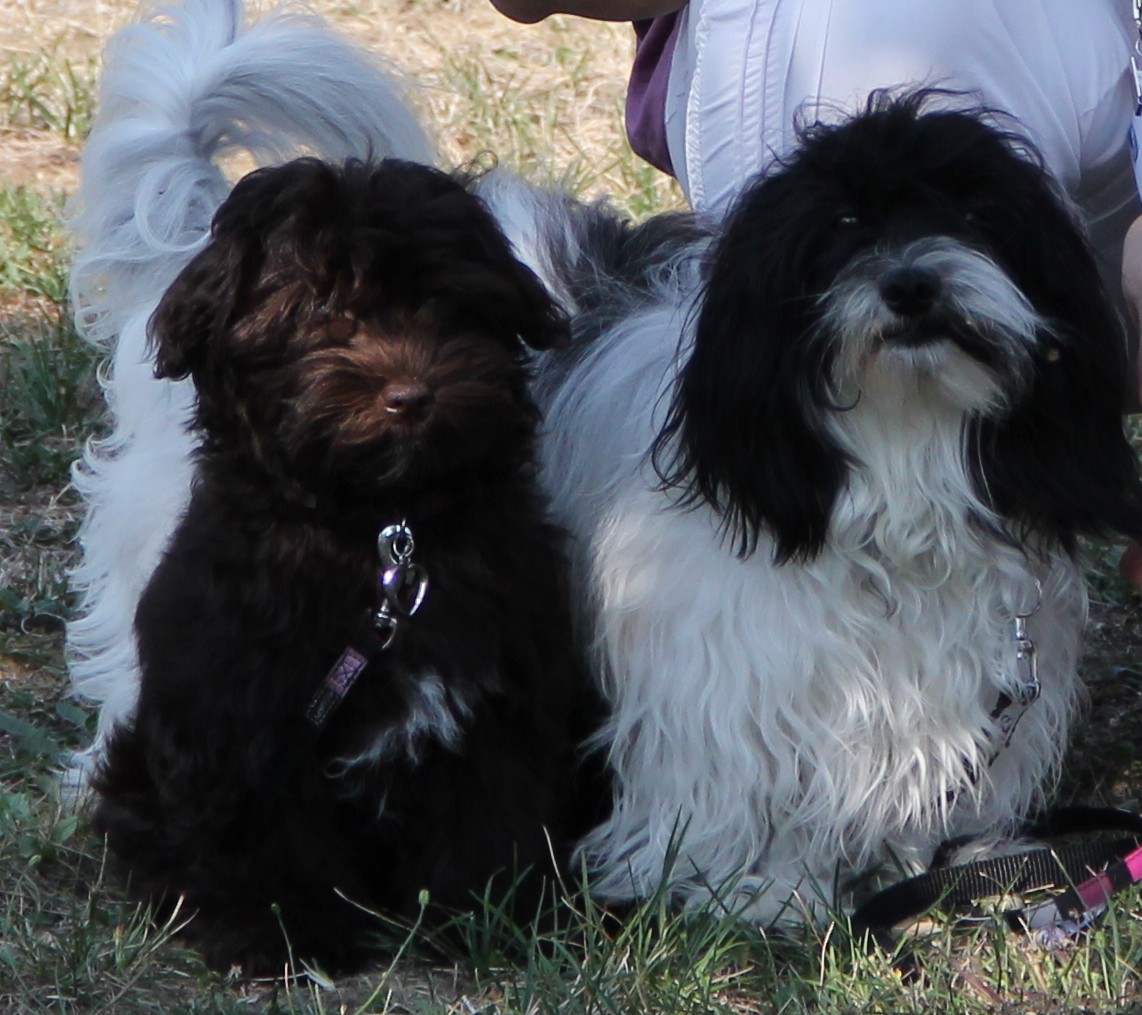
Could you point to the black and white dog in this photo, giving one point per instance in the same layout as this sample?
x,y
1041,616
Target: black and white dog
x,y
826,471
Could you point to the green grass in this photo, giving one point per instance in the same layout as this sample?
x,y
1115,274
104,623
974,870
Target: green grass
x,y
48,91
49,404
33,258
48,398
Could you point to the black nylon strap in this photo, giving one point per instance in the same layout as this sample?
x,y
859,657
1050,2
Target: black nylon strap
x,y
961,885
1079,820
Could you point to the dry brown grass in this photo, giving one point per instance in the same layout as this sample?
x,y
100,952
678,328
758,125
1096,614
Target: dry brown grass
x,y
547,97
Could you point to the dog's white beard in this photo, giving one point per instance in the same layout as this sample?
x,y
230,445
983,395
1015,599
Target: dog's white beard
x,y
903,380
774,728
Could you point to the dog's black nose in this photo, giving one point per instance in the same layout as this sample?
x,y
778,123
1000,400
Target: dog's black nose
x,y
407,397
910,291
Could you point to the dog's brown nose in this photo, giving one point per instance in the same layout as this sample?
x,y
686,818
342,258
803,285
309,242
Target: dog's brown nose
x,y
408,397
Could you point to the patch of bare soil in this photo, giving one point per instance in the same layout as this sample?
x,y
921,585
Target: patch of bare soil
x,y
1104,764
466,63
38,160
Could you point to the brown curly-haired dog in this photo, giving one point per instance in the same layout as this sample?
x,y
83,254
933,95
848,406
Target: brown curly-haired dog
x,y
356,336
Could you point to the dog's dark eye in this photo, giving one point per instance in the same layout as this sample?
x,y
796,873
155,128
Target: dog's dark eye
x,y
846,222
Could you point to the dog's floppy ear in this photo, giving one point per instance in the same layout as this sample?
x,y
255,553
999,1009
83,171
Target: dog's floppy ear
x,y
746,429
1060,461
195,311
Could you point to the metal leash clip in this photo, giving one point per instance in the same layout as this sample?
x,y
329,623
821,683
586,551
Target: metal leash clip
x,y
403,584
1012,706
1026,658
1026,663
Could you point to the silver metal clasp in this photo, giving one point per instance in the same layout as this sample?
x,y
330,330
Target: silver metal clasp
x,y
403,584
1026,664
395,544
1026,657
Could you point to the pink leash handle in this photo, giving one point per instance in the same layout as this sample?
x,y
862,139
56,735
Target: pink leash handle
x,y
1077,908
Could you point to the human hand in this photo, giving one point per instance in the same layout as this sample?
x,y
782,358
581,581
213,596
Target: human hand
x,y
525,11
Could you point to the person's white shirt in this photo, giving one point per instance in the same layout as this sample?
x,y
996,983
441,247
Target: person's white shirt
x,y
744,69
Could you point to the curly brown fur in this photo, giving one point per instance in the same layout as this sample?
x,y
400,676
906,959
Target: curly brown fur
x,y
356,336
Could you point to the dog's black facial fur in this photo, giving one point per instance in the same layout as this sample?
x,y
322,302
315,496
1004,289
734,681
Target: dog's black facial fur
x,y
747,430
355,336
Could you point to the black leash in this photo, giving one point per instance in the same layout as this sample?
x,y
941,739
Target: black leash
x,y
1087,873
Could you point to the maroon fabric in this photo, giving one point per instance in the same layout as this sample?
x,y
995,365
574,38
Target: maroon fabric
x,y
646,94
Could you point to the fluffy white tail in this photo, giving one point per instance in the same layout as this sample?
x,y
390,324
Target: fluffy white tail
x,y
184,90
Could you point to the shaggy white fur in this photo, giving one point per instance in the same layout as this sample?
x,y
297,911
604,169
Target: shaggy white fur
x,y
847,699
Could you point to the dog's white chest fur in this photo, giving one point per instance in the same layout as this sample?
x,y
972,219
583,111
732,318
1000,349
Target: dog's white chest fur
x,y
433,712
842,701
